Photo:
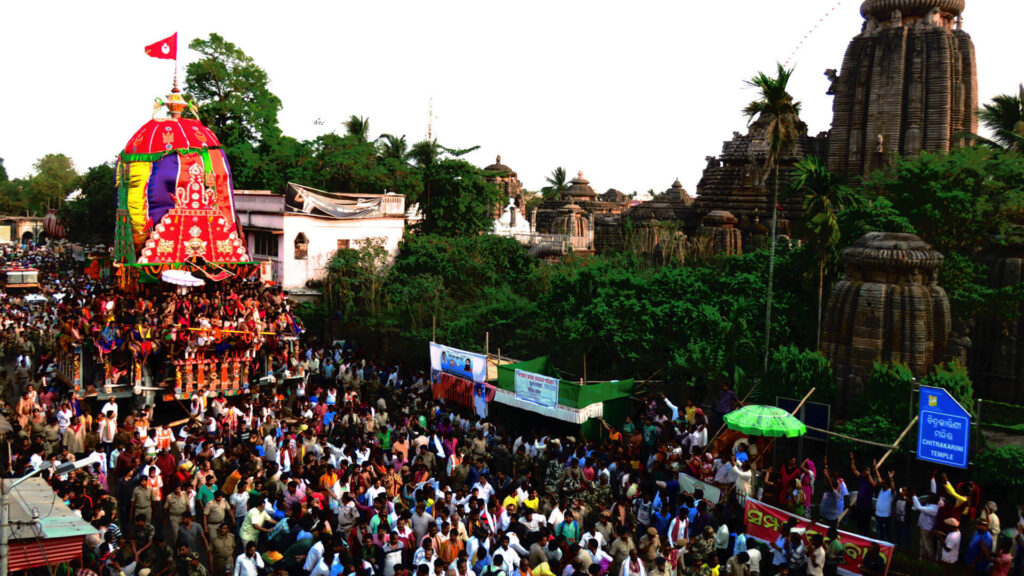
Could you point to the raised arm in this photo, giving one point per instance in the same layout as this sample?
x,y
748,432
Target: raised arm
x,y
828,478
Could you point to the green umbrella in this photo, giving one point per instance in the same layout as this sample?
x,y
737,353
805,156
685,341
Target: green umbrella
x,y
759,420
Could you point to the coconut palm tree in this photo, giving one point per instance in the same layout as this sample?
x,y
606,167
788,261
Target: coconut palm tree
x,y
392,146
425,152
825,196
558,182
781,115
359,127
1004,117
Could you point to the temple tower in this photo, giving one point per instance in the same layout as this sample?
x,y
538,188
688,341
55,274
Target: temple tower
x,y
908,84
887,307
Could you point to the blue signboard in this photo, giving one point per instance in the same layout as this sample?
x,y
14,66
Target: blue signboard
x,y
943,429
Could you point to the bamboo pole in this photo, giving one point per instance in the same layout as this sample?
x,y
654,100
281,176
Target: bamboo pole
x,y
898,440
892,448
850,438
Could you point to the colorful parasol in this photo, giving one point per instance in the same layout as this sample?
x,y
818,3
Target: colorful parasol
x,y
181,278
759,420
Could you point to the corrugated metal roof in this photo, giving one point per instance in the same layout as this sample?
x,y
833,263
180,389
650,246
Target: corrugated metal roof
x,y
56,520
27,554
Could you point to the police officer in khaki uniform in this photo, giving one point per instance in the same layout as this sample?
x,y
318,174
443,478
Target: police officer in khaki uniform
x,y
222,547
142,500
175,505
217,512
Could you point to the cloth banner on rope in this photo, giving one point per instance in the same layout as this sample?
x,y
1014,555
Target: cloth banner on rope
x,y
763,523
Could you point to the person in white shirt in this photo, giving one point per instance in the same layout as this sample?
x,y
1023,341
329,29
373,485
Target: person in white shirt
x,y
486,490
556,516
679,529
249,563
315,554
597,555
673,409
595,535
951,546
633,566
816,556
926,522
743,474
513,543
723,472
509,557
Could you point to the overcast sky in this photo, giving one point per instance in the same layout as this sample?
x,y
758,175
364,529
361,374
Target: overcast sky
x,y
634,94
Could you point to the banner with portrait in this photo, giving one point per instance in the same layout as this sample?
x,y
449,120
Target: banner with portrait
x,y
460,377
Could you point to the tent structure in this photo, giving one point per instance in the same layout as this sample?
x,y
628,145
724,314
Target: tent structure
x,y
577,404
175,199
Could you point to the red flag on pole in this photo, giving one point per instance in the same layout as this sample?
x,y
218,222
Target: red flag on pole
x,y
166,49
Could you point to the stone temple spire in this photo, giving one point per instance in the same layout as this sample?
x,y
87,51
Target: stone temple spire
x,y
908,84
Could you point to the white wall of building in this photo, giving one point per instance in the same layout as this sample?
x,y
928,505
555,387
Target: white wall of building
x,y
322,235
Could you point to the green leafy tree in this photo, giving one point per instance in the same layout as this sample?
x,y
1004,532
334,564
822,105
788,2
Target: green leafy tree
x,y
354,285
873,429
91,216
459,202
794,372
393,147
716,354
359,127
953,378
993,468
957,201
558,183
776,107
825,197
963,203
425,152
887,393
878,215
1004,118
55,177
235,101
10,194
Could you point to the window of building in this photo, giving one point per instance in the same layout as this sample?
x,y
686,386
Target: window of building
x,y
265,244
343,244
301,246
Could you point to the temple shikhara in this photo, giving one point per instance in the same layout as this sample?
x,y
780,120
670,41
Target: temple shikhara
x,y
908,84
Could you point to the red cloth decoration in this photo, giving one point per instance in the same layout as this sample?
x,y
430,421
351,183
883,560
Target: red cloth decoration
x,y
162,135
166,49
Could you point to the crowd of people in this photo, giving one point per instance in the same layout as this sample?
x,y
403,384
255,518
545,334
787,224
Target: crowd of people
x,y
357,470
133,339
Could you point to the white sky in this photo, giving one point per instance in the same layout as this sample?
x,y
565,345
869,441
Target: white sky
x,y
634,94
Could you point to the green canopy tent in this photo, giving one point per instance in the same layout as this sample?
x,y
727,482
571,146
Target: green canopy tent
x,y
577,404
